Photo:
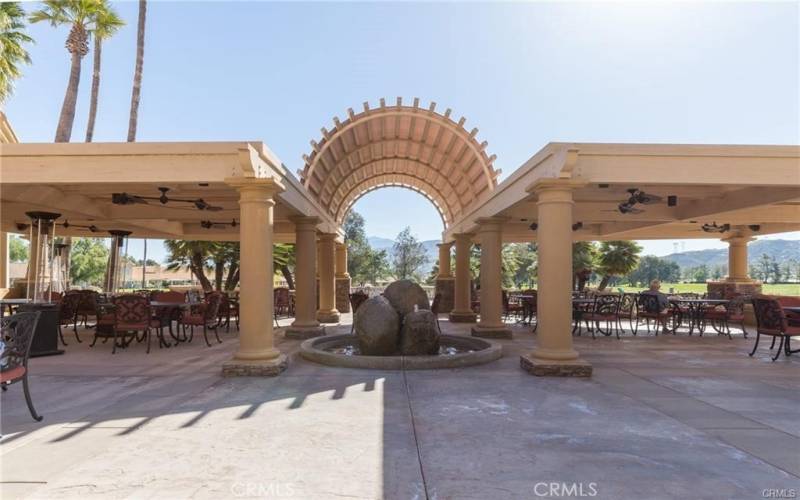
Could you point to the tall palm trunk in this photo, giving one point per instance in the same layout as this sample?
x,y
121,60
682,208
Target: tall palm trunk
x,y
98,48
137,74
64,129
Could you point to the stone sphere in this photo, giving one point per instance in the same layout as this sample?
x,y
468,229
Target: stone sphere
x,y
377,327
419,334
404,295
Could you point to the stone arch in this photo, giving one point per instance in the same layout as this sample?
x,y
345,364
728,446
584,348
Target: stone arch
x,y
406,146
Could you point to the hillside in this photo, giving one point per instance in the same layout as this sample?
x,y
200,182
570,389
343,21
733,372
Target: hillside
x,y
781,250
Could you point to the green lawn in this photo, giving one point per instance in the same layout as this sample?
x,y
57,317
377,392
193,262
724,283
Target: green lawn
x,y
769,289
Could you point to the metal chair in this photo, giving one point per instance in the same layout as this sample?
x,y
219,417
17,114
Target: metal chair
x,y
627,310
771,320
132,314
204,315
722,316
604,309
648,308
68,313
17,332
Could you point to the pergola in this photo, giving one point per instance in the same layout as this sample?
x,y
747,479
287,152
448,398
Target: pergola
x,y
565,192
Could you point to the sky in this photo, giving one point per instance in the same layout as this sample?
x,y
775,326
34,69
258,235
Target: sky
x,y
524,74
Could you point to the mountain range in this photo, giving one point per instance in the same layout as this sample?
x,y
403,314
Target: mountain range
x,y
780,250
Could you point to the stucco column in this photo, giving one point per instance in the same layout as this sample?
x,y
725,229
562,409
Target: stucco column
x,y
737,258
491,325
3,263
554,354
257,354
445,282
462,311
305,323
327,312
342,279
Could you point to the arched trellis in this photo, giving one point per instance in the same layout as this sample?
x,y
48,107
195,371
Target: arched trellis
x,y
425,151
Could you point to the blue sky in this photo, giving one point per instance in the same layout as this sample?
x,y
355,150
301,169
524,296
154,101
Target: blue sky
x,y
524,74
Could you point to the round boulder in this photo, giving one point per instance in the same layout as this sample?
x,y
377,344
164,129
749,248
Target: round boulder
x,y
404,295
377,327
419,334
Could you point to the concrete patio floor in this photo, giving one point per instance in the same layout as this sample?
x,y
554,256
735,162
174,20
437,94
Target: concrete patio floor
x,y
662,417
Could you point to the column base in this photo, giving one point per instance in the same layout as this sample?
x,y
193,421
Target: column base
x,y
331,316
256,368
492,332
463,317
555,368
304,332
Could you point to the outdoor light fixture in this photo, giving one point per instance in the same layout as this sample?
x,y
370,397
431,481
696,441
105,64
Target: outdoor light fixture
x,y
577,226
672,201
207,224
714,228
534,226
132,199
754,227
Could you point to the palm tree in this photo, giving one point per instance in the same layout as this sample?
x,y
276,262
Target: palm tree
x,y
192,255
137,73
108,22
12,51
81,16
584,254
617,258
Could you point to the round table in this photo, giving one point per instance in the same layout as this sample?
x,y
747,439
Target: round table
x,y
696,310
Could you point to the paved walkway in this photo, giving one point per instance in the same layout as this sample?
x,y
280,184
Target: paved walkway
x,y
662,417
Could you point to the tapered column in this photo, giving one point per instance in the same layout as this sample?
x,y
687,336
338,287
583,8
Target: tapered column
x,y
445,282
257,354
491,320
327,312
305,323
342,279
737,258
554,354
462,311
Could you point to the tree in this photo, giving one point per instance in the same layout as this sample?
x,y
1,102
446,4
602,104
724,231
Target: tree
x,y
764,266
700,274
408,255
136,92
191,255
527,263
651,268
584,254
12,46
108,22
365,264
81,16
617,258
88,261
17,249
283,260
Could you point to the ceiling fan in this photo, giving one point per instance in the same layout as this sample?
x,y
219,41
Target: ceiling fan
x,y
132,199
714,228
637,197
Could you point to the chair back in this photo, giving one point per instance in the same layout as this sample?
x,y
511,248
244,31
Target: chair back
x,y
54,296
735,306
606,304
281,297
88,302
212,301
437,304
68,307
627,303
16,332
132,310
193,296
649,303
175,297
356,299
770,318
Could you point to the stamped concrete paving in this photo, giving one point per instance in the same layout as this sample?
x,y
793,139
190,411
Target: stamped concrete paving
x,y
662,417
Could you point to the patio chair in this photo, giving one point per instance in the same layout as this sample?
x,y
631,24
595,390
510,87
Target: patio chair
x,y
224,313
16,332
88,306
604,309
788,301
512,306
281,303
722,316
204,315
132,314
164,316
531,306
771,320
68,313
648,309
435,309
627,310
356,299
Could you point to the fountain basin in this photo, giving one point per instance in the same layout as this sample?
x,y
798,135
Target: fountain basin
x,y
456,352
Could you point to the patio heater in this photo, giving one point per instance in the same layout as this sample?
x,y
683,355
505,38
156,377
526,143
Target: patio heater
x,y
60,267
40,283
115,263
42,255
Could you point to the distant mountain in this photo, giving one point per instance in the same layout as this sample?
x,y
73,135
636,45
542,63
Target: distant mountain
x,y
431,249
780,250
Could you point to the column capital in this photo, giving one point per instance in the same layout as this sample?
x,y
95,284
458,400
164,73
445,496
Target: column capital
x,y
463,237
328,237
447,244
490,224
738,239
552,184
305,223
267,186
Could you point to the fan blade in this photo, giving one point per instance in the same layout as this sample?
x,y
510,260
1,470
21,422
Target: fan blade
x,y
648,199
126,199
212,208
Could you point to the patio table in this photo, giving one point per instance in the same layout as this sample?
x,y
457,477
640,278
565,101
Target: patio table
x,y
696,309
10,304
527,306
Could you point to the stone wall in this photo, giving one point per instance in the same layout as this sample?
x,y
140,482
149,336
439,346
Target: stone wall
x,y
732,288
343,295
